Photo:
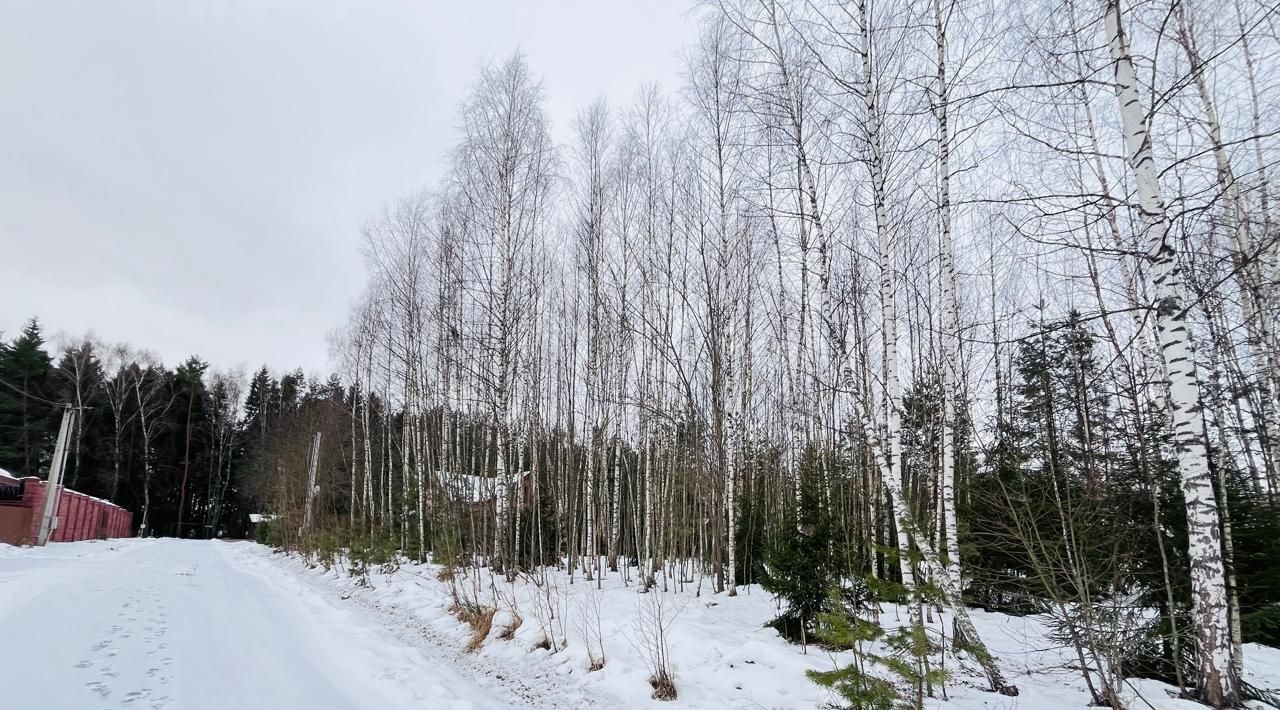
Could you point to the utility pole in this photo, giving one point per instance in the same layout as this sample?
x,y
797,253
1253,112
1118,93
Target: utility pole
x,y
311,483
49,517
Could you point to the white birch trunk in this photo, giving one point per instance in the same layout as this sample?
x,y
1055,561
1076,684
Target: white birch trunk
x,y
888,296
950,308
1256,293
1217,684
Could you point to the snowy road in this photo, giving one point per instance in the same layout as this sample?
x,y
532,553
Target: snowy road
x,y
188,625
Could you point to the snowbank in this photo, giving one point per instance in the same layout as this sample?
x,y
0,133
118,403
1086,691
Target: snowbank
x,y
68,550
723,655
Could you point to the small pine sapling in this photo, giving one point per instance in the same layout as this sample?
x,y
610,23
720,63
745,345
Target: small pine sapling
x,y
847,626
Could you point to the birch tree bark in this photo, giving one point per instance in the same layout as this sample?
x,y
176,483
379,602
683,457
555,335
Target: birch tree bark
x,y
1217,684
950,306
1257,299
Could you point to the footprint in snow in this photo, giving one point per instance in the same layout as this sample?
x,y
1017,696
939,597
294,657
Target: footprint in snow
x,y
100,688
100,645
84,664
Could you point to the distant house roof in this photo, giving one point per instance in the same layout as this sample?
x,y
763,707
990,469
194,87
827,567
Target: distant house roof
x,y
262,517
467,488
9,476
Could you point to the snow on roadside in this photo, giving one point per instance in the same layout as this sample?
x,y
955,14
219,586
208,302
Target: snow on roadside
x,y
723,655
186,625
67,550
389,604
16,587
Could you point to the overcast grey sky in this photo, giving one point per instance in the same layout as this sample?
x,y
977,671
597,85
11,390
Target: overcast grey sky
x,y
191,177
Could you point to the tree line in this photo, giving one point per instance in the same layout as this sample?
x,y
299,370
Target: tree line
x,y
180,447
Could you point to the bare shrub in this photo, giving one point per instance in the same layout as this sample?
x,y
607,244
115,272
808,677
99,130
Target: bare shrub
x,y
654,617
512,607
550,612
589,627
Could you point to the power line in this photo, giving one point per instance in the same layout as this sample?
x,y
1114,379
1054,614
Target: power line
x,y
38,398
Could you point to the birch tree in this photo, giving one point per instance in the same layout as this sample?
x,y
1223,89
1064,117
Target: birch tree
x,y
1217,684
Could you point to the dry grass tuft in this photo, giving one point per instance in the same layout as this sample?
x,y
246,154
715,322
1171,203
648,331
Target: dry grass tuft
x,y
479,618
664,687
509,631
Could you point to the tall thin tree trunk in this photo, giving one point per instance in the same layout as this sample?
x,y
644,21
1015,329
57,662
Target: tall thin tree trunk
x,y
950,308
1217,684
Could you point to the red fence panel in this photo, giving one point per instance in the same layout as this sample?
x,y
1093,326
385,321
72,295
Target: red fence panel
x,y
80,517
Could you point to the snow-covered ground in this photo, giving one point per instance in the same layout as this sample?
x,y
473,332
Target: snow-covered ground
x,y
193,625
722,654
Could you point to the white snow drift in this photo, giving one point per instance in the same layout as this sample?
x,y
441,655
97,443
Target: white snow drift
x,y
190,625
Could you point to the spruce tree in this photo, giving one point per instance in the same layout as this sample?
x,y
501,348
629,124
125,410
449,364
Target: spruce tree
x,y
258,404
28,418
189,445
802,564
